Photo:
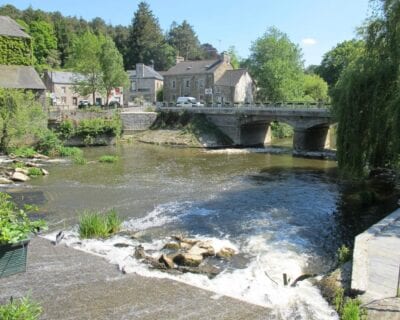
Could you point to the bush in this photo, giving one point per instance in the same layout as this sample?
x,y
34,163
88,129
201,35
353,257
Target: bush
x,y
108,159
281,130
24,152
66,129
352,310
15,224
344,254
69,152
35,172
99,126
24,309
48,143
96,225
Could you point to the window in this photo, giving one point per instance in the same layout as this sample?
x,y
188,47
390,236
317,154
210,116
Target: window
x,y
201,82
63,100
217,90
64,90
187,83
75,101
196,84
133,86
173,84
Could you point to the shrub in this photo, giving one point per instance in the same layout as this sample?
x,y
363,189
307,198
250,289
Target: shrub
x,y
352,310
24,152
35,172
48,143
69,152
66,129
15,224
108,159
281,130
97,225
344,254
24,309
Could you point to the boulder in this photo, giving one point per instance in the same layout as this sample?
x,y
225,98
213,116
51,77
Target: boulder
x,y
185,246
45,172
207,251
207,246
187,259
139,252
189,241
167,261
41,156
19,176
32,164
4,180
172,246
209,270
22,170
226,253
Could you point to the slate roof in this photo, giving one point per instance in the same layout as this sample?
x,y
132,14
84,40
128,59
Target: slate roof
x,y
194,67
231,77
20,77
8,27
64,77
149,72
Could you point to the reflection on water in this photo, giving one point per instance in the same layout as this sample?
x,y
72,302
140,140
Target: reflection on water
x,y
284,214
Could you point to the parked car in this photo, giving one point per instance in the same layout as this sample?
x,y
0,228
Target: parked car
x,y
83,104
187,102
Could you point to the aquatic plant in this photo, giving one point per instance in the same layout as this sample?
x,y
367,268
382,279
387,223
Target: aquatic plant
x,y
24,152
79,160
97,225
35,172
108,159
22,309
344,254
352,310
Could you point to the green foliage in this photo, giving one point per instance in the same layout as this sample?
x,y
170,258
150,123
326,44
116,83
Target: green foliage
x,y
69,152
21,117
276,64
183,38
281,130
15,51
146,42
44,42
23,152
99,126
338,59
23,309
160,94
48,143
108,159
97,225
34,172
15,224
79,159
344,254
66,130
235,60
352,310
339,300
315,88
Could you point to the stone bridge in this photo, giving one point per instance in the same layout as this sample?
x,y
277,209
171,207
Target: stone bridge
x,y
250,125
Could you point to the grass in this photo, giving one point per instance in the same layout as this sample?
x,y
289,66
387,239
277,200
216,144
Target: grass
x,y
344,254
97,225
79,160
24,152
108,159
35,172
352,310
23,309
69,151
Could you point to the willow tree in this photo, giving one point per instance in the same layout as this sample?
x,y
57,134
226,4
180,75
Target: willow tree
x,y
366,98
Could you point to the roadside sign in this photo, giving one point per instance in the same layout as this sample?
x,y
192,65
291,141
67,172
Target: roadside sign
x,y
208,91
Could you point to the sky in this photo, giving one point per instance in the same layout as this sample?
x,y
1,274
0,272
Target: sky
x,y
315,25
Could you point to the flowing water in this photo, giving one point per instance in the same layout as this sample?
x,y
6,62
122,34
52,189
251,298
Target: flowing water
x,y
282,214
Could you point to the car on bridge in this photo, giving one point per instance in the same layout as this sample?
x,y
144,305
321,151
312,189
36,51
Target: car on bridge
x,y
188,101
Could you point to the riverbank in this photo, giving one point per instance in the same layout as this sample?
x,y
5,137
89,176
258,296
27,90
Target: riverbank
x,y
55,275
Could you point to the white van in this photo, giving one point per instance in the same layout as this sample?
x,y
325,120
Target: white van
x,y
188,102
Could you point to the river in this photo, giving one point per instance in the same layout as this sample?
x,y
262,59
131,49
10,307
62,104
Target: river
x,y
282,214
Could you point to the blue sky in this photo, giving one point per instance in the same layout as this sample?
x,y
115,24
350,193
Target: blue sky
x,y
316,25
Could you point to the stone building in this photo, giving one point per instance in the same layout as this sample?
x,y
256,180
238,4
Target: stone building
x,y
16,71
145,82
60,85
208,81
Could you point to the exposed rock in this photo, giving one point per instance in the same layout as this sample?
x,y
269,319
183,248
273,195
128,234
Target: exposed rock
x,y
207,246
45,172
121,245
177,237
209,270
172,246
207,251
302,278
340,278
187,259
41,156
167,261
139,252
185,246
4,180
226,253
189,241
19,176
22,170
32,164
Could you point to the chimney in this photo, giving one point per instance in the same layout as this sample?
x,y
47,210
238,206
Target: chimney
x,y
152,64
225,57
140,70
179,59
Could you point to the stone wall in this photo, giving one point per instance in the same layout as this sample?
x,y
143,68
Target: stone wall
x,y
376,259
137,121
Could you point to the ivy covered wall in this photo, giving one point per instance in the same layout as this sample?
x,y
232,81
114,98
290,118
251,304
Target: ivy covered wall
x,y
15,51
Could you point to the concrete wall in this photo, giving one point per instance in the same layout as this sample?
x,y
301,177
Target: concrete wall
x,y
376,259
137,121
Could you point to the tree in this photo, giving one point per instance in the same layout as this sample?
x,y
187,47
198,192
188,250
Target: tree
x,y
315,88
44,42
112,67
366,97
183,38
120,36
337,59
276,65
209,52
235,60
85,59
146,42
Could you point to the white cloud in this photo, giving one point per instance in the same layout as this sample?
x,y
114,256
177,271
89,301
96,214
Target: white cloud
x,y
308,41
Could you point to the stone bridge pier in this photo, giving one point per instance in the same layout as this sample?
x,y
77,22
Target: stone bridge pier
x,y
247,130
